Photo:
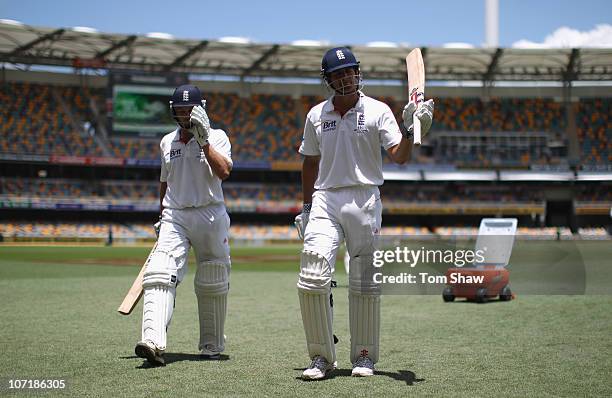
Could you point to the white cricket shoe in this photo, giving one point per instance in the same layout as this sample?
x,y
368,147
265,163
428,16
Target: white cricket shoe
x,y
318,368
362,367
149,350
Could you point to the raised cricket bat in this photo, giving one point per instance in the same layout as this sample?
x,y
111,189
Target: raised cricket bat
x,y
135,293
416,86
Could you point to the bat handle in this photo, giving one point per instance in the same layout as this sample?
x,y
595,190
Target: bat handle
x,y
416,125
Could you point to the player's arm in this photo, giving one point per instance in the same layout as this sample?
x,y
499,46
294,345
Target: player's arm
x,y
310,171
218,163
402,152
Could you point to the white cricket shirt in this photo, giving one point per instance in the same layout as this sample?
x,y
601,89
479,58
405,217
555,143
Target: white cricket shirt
x,y
349,146
191,181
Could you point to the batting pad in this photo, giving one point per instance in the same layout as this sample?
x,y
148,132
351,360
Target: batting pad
x,y
157,313
364,309
159,285
314,289
211,286
317,319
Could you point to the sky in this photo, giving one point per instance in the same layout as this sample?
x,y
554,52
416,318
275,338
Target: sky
x,y
526,23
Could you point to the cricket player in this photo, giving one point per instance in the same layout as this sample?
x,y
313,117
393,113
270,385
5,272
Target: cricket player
x,y
195,158
341,172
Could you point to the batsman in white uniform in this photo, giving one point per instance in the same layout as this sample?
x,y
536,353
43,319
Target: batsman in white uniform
x,y
341,172
195,158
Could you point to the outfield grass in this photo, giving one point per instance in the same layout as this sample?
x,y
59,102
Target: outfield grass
x,y
59,320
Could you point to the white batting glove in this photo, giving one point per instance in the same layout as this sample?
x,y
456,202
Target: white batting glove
x,y
157,227
424,113
301,220
201,125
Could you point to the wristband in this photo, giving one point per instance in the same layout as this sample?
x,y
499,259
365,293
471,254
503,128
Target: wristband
x,y
306,207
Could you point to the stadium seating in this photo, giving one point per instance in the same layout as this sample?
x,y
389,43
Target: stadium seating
x,y
256,193
34,121
264,127
507,114
126,233
594,127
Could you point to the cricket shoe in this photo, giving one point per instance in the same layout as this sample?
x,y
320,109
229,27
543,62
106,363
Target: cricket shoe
x,y
148,350
362,367
210,352
318,369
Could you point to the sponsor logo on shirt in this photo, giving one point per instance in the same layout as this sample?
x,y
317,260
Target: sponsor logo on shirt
x,y
175,153
328,125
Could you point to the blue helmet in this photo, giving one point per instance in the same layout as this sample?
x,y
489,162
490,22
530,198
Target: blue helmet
x,y
338,58
183,96
186,95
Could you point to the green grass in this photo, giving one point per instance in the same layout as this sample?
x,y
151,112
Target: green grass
x,y
59,320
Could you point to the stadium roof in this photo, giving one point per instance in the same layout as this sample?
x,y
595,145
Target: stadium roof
x,y
159,53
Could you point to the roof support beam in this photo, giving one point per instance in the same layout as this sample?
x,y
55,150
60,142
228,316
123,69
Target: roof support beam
x,y
123,43
179,60
271,51
489,75
49,36
570,73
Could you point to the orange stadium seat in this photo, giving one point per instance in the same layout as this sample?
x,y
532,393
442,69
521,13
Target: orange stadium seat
x,y
265,127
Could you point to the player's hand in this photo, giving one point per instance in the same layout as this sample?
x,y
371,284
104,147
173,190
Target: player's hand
x,y
424,113
201,125
301,220
157,227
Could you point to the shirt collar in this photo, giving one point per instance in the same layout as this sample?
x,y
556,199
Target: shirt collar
x,y
328,107
177,136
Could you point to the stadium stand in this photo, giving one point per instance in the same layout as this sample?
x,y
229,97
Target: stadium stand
x,y
34,120
466,131
24,231
594,128
258,193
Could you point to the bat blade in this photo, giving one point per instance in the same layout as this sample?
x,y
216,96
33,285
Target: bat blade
x,y
415,70
135,293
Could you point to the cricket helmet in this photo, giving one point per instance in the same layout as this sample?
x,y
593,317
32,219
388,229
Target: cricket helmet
x,y
338,58
186,95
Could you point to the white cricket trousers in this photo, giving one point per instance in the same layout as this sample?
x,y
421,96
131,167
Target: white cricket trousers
x,y
206,229
351,214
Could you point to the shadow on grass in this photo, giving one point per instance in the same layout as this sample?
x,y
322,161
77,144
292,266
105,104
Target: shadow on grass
x,y
172,357
489,301
401,375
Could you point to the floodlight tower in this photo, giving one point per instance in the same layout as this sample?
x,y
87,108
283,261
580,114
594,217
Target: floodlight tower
x,y
492,23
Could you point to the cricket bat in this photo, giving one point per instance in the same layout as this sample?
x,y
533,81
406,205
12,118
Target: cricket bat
x,y
135,293
416,86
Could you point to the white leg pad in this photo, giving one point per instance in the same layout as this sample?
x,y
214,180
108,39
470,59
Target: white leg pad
x,y
364,309
314,290
157,313
159,285
211,286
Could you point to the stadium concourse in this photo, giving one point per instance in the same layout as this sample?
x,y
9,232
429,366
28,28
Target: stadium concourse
x,y
524,136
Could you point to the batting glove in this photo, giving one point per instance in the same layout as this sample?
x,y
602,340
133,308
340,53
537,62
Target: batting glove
x,y
157,227
201,125
424,113
301,220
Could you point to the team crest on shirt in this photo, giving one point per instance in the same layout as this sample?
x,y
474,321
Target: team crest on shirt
x,y
328,125
361,125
